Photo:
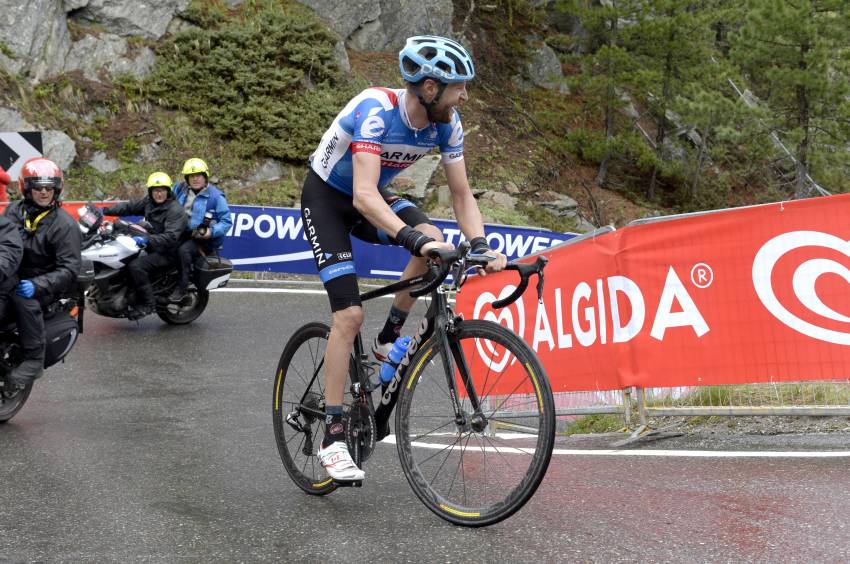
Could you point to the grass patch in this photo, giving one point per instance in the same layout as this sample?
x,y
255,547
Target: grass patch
x,y
7,51
778,394
599,423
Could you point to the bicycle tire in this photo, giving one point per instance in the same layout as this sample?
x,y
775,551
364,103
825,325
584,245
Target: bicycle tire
x,y
301,359
436,453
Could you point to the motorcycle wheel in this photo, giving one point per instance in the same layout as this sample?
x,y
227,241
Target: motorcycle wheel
x,y
187,311
12,403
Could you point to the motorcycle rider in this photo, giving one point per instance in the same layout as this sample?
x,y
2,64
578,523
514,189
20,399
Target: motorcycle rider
x,y
51,259
198,196
11,253
168,222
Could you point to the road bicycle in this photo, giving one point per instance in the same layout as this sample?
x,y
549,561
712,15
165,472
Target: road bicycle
x,y
475,423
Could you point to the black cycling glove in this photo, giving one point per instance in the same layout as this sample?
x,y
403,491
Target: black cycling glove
x,y
412,240
479,246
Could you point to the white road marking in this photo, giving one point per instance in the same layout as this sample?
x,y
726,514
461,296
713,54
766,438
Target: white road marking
x,y
269,291
252,290
391,439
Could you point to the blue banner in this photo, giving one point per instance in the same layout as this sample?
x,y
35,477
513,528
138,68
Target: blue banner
x,y
272,240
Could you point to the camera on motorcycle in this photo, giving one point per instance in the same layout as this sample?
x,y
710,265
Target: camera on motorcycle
x,y
90,218
200,231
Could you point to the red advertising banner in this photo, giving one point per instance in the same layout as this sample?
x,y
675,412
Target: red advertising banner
x,y
748,295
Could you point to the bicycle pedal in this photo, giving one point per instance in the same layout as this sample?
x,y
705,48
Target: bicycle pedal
x,y
348,483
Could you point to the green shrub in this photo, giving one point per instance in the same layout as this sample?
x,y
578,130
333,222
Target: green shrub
x,y
7,51
207,14
268,78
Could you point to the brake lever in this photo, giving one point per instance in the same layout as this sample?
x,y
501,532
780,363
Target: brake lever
x,y
541,264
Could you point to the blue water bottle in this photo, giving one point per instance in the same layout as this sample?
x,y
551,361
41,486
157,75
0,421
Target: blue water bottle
x,y
391,364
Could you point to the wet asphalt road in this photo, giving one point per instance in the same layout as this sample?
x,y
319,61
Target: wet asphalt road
x,y
154,444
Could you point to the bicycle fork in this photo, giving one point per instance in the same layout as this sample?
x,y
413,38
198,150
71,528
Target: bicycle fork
x,y
452,356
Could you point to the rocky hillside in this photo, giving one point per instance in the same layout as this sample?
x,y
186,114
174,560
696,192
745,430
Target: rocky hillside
x,y
120,88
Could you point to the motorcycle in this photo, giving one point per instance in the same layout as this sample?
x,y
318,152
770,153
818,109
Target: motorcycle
x,y
109,247
63,324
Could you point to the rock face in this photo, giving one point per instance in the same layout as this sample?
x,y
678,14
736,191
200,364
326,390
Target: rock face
x,y
544,69
102,163
59,148
110,53
148,18
376,25
268,170
36,32
12,120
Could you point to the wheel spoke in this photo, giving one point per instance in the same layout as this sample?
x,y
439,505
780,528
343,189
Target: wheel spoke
x,y
473,477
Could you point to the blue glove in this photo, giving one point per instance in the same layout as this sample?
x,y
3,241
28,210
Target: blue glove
x,y
25,288
140,241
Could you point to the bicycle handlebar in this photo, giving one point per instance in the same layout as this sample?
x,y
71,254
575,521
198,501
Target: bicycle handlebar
x,y
525,271
442,261
439,266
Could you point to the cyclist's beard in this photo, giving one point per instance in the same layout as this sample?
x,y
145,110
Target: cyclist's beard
x,y
441,113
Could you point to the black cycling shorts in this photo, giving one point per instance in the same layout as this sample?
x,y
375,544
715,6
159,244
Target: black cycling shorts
x,y
329,219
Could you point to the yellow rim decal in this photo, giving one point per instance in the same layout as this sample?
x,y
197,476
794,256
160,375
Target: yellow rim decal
x,y
277,390
453,511
418,366
536,386
323,484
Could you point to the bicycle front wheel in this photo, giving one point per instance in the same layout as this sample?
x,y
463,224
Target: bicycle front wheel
x,y
299,408
482,468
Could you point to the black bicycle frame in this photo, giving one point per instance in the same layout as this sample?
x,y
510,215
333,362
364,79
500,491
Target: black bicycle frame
x,y
435,321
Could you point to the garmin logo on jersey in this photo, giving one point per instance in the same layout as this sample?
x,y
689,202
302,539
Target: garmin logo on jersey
x,y
310,232
329,150
399,156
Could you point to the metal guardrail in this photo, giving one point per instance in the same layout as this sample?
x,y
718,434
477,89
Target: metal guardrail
x,y
814,399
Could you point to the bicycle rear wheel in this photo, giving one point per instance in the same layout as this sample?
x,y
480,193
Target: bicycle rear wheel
x,y
485,468
299,407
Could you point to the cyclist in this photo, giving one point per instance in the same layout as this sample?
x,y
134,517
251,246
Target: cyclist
x,y
198,196
50,263
377,134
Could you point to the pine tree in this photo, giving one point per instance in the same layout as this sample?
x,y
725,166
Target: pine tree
x,y
795,55
674,43
607,73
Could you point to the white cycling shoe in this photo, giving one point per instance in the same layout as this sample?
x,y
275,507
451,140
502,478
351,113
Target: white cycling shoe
x,y
381,350
338,464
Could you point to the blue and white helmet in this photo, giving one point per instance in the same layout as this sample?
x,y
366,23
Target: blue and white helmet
x,y
430,56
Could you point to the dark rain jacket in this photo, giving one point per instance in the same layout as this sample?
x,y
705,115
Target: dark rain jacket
x,y
168,220
11,253
51,250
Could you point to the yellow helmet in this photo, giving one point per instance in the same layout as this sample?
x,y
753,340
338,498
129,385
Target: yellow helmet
x,y
159,179
195,166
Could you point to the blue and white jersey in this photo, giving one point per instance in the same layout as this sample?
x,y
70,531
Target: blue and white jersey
x,y
376,121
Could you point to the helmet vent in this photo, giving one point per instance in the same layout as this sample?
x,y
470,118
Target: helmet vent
x,y
461,68
428,52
